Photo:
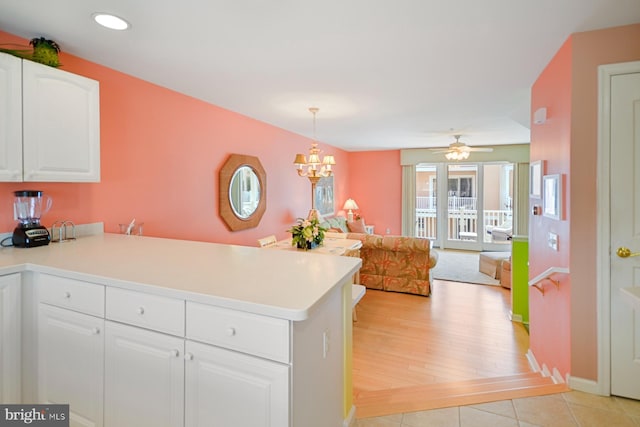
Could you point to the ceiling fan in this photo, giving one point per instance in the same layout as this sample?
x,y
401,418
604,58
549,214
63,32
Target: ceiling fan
x,y
459,150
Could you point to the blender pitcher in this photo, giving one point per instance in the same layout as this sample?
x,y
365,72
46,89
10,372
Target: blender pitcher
x,y
28,208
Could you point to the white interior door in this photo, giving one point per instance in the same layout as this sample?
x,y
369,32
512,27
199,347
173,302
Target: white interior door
x,y
625,232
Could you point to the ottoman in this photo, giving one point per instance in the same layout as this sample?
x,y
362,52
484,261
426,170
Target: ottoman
x,y
505,275
489,263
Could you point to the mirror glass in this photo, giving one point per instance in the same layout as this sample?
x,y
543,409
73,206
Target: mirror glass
x,y
244,192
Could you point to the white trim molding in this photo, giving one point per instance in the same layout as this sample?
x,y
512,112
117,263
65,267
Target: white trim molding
x,y
350,421
584,385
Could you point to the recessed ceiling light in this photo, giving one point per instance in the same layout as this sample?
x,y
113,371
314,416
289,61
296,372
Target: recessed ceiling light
x,y
110,21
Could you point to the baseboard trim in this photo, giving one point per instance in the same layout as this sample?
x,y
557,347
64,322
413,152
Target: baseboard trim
x,y
585,385
350,421
557,377
554,374
533,363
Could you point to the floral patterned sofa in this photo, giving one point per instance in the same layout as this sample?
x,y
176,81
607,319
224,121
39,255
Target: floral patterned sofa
x,y
396,263
391,263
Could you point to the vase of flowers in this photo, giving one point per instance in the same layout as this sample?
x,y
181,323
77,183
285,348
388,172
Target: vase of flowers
x,y
307,233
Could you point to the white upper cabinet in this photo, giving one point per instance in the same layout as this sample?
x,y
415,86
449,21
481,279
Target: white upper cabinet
x,y
10,118
59,139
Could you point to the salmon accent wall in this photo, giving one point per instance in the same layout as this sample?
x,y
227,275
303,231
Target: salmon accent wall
x,y
590,49
549,315
568,316
160,156
375,182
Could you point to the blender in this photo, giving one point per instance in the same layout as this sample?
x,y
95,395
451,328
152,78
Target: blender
x,y
27,210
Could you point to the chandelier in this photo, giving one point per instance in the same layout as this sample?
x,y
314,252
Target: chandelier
x,y
315,168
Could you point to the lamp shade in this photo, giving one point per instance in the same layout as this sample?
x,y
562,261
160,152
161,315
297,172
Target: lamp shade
x,y
314,159
300,160
350,204
328,160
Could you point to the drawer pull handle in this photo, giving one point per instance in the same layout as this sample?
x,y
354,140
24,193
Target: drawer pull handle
x,y
175,353
95,331
188,356
231,332
140,310
67,294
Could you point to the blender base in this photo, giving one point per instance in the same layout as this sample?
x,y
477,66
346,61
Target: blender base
x,y
30,237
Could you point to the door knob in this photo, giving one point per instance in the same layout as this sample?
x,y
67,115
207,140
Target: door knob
x,y
623,252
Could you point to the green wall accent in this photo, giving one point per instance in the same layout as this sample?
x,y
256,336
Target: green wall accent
x,y
520,279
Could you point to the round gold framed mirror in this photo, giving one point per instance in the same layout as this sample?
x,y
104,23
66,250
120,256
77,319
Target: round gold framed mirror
x,y
242,192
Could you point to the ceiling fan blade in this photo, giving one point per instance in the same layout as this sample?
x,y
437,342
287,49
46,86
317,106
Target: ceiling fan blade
x,y
481,149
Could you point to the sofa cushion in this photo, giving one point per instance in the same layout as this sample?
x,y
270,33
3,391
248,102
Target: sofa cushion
x,y
357,226
335,223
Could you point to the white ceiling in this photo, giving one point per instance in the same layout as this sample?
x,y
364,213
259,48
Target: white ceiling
x,y
385,74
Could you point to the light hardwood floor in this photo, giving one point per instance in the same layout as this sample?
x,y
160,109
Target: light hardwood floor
x,y
407,346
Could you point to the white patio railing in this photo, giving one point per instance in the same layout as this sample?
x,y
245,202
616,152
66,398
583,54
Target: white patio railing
x,y
462,220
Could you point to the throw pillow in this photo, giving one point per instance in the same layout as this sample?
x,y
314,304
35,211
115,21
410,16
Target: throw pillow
x,y
335,230
357,226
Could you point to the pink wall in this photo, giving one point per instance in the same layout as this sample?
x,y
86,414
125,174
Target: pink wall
x,y
549,314
160,156
375,182
569,315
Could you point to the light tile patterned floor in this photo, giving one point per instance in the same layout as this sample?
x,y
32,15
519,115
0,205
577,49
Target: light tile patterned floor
x,y
566,409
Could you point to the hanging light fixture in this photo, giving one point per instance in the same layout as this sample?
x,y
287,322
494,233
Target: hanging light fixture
x,y
315,168
457,155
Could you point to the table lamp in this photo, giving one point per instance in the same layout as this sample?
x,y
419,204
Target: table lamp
x,y
350,204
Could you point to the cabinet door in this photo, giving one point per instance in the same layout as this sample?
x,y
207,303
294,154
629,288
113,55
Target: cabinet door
x,y
10,339
144,378
10,118
61,129
70,363
225,388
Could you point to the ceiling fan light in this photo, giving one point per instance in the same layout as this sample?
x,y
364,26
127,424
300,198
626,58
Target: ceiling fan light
x,y
112,22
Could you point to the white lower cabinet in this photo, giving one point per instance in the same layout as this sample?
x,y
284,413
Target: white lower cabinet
x,y
144,378
70,363
151,381
226,388
116,359
10,339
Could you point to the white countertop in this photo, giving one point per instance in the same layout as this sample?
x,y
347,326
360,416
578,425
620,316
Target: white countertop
x,y
632,296
283,284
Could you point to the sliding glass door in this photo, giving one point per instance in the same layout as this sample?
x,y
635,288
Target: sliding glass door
x,y
497,209
462,206
465,205
426,201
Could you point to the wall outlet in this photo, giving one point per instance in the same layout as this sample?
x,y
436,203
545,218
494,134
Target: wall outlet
x,y
552,241
388,231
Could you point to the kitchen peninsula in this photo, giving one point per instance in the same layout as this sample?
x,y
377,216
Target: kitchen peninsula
x,y
149,331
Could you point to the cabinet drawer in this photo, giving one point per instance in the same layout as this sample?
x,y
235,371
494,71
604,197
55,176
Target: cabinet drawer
x,y
72,294
250,333
148,311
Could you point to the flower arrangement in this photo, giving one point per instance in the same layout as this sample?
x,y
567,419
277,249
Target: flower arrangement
x,y
307,234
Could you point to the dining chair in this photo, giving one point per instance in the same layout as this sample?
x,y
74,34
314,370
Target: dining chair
x,y
265,242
